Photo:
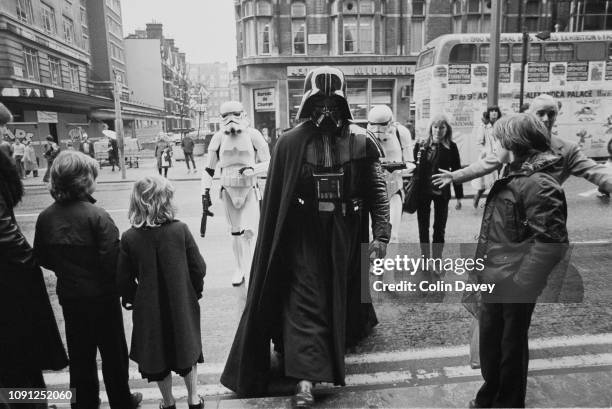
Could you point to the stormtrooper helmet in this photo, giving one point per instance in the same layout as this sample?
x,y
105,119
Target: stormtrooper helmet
x,y
380,119
234,119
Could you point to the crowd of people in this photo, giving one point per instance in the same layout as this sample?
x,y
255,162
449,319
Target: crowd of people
x,y
327,179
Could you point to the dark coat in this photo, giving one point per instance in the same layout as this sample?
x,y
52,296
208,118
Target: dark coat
x,y
29,336
523,233
80,243
433,158
247,370
161,273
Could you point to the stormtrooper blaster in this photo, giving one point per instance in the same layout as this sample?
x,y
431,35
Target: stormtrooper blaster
x,y
393,166
206,203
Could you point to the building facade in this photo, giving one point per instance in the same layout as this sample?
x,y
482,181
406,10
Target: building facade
x,y
215,79
374,42
157,75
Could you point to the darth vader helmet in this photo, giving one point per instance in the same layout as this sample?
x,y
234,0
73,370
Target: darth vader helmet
x,y
234,119
324,100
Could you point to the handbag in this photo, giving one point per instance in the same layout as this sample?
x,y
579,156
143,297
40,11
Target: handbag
x,y
411,193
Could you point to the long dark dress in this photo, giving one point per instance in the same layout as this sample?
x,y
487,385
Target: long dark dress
x,y
305,288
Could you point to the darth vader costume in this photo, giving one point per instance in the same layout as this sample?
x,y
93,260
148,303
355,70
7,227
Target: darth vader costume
x,y
305,292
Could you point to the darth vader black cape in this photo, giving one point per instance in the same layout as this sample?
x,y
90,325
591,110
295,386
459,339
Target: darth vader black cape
x,y
247,371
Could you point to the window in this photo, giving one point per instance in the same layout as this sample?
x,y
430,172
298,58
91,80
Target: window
x,y
263,37
116,51
473,6
113,27
504,51
357,95
68,30
298,30
85,42
534,54
74,77
358,34
462,54
382,92
264,8
25,11
418,7
55,71
426,59
250,37
247,9
591,51
298,9
366,7
48,18
416,35
559,52
30,57
83,16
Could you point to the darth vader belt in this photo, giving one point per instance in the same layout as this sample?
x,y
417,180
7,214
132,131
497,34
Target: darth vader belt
x,y
329,186
351,206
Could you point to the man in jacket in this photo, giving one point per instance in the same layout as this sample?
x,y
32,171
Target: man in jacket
x,y
187,144
523,237
573,160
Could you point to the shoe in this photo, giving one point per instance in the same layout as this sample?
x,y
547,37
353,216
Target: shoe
x,y
474,365
303,397
473,404
238,280
199,405
161,406
135,399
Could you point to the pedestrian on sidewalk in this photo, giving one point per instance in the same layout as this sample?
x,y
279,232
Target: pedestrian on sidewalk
x,y
51,152
485,142
163,155
161,278
438,151
30,161
187,144
80,243
527,206
602,193
29,338
18,154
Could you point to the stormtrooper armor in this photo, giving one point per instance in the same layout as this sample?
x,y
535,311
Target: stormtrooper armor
x,y
241,154
395,141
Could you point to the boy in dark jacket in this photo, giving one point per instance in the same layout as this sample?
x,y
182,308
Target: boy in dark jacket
x,y
80,243
522,237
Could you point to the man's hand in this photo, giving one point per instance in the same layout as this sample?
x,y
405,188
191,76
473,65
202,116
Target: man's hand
x,y
377,249
442,179
206,203
458,205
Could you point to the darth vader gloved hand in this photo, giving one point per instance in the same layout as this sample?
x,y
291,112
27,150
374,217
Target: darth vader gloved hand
x,y
377,249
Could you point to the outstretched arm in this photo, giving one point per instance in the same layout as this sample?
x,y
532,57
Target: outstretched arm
x,y
477,169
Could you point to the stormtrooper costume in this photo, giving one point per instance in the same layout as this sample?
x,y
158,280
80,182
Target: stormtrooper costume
x,y
395,140
242,154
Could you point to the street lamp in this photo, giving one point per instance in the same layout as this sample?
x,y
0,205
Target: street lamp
x,y
543,35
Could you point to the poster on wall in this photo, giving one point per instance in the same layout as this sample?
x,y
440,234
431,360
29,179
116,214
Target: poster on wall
x,y
46,117
538,72
459,74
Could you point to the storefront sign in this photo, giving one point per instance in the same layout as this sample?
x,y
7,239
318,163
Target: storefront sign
x,y
317,38
264,99
578,71
46,117
27,92
538,72
357,70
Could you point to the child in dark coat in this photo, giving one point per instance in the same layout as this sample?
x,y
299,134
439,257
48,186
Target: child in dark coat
x,y
161,275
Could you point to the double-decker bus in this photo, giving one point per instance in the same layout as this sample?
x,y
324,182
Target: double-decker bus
x,y
575,68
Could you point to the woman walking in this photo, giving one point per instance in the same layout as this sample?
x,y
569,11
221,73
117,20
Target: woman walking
x,y
438,151
163,154
161,277
486,143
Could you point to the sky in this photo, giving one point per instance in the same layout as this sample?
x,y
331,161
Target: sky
x,y
204,29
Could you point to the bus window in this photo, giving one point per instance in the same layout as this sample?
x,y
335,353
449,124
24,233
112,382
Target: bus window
x,y
503,53
426,59
559,52
591,51
534,55
462,54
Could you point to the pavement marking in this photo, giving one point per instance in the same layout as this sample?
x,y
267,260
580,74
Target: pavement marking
x,y
215,369
36,214
394,377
